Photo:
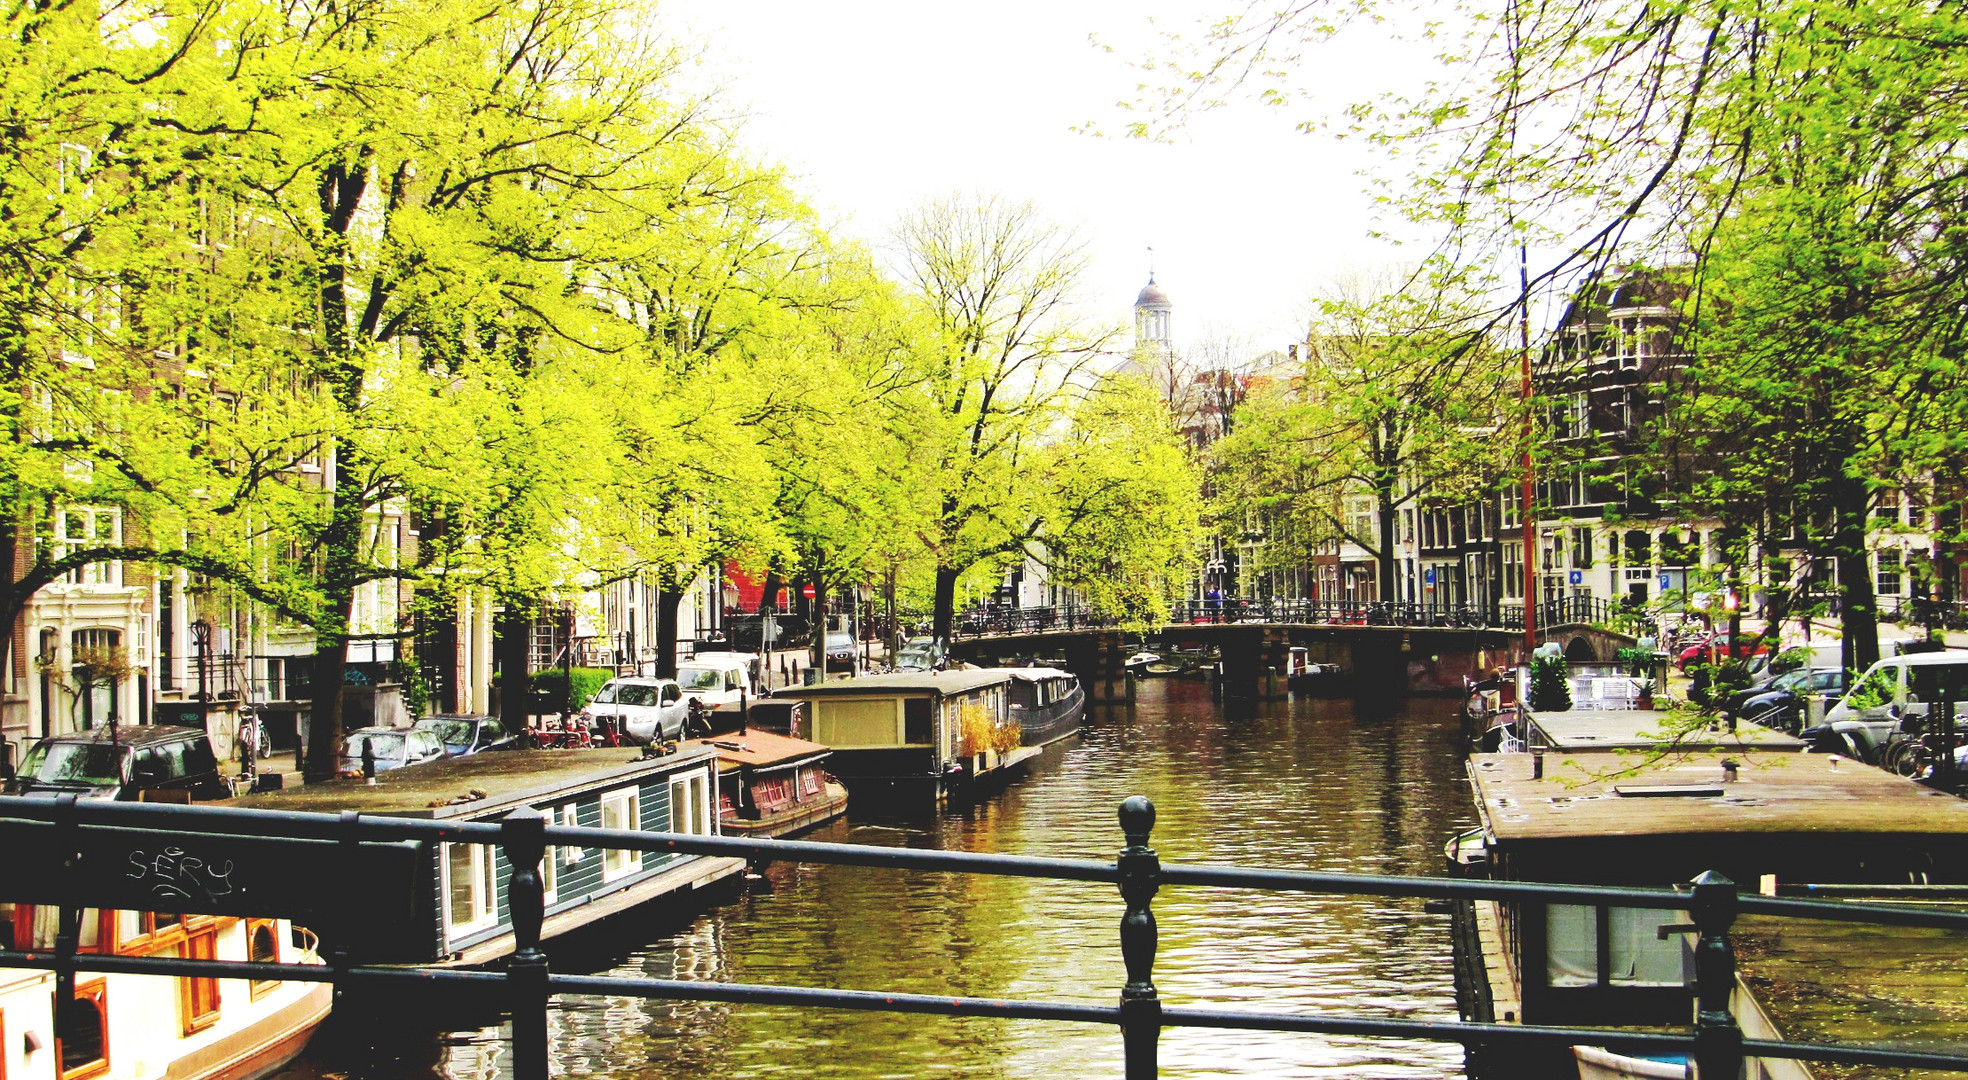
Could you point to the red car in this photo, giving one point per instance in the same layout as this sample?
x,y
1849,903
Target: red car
x,y
1698,653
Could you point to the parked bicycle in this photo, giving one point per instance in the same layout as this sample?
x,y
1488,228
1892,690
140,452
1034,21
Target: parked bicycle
x,y
254,743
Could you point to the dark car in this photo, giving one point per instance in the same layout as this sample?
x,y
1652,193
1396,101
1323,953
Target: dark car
x,y
392,748
462,734
1781,704
136,761
841,651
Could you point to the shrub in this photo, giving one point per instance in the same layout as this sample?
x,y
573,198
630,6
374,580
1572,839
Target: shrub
x,y
1551,687
551,685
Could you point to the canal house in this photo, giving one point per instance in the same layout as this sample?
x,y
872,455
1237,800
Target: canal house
x,y
921,734
456,907
1774,821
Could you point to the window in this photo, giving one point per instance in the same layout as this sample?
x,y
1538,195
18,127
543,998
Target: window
x,y
96,660
570,818
620,810
82,1032
198,996
1513,570
79,528
1889,573
1582,549
690,804
470,886
262,947
1612,946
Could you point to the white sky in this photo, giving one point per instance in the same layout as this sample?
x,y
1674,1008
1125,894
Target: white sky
x,y
876,106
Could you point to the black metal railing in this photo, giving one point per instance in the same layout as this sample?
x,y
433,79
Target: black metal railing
x,y
56,840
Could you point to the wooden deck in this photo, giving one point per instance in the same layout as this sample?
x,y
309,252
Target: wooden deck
x,y
1643,729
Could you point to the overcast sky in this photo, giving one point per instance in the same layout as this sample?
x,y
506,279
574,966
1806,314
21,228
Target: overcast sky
x,y
878,105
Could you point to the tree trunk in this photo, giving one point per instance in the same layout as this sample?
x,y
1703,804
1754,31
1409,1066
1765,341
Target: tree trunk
x,y
946,603
1384,558
1857,616
512,647
772,584
669,600
324,741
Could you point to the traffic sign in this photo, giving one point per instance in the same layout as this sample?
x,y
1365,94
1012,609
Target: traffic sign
x,y
1578,577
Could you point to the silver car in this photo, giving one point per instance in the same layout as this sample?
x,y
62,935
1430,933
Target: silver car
x,y
644,710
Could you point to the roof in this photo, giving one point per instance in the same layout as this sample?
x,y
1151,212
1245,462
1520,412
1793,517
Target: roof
x,y
1642,729
709,658
1152,296
128,734
506,777
755,747
905,682
1928,659
1597,796
1036,674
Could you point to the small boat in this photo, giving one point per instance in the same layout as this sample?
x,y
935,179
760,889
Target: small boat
x,y
123,1028
1048,703
772,785
918,734
1137,664
1597,1064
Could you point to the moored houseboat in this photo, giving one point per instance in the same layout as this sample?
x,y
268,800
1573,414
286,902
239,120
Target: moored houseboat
x,y
1769,820
771,784
916,735
453,896
135,1027
1048,704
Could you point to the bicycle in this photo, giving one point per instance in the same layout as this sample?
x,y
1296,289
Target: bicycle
x,y
253,736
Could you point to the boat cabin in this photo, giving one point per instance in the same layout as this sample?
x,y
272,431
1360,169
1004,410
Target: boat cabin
x,y
1048,703
915,733
1766,820
456,893
771,784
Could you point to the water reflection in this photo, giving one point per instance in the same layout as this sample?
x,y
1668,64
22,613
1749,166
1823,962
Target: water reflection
x,y
1298,785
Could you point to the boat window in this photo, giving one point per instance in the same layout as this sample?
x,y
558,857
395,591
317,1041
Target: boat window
x,y
262,947
620,810
690,804
570,818
198,996
471,886
82,1032
855,723
1635,954
916,727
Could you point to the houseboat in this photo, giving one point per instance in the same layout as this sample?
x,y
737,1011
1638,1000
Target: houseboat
x,y
1048,704
772,785
918,734
1770,820
450,905
134,1027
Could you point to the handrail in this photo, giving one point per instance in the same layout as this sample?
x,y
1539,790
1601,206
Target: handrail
x,y
1715,1042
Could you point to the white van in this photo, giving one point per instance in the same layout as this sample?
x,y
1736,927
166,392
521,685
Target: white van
x,y
1899,687
719,678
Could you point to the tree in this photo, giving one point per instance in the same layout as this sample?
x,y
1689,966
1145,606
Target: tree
x,y
1397,399
998,281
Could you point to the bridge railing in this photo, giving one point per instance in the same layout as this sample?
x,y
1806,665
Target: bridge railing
x,y
71,836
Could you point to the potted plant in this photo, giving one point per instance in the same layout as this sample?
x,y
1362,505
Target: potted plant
x,y
1644,693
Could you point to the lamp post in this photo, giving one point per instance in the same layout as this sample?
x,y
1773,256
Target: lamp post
x,y
201,641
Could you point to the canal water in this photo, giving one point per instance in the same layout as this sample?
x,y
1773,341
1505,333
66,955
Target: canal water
x,y
1305,784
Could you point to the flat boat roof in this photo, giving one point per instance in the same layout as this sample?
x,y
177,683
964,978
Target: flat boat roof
x,y
1643,729
1599,795
760,748
907,682
442,789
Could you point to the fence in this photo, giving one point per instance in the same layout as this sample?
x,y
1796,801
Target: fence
x,y
1237,609
70,833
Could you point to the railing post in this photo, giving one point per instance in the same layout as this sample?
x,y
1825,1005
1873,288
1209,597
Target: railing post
x,y
1718,1040
523,835
1141,1008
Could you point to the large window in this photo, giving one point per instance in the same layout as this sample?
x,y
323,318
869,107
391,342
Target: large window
x,y
471,886
620,810
97,662
1612,946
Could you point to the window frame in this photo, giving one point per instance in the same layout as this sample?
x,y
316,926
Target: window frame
x,y
259,988
199,1000
618,863
96,991
483,879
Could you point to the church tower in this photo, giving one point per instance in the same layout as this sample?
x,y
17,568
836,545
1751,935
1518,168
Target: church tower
x,y
1151,318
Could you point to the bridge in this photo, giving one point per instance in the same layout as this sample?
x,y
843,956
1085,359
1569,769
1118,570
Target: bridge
x,y
1416,647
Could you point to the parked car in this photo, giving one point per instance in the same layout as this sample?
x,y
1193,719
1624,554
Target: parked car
x,y
468,734
1782,703
922,654
643,710
1698,653
753,633
393,748
138,760
842,653
720,678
